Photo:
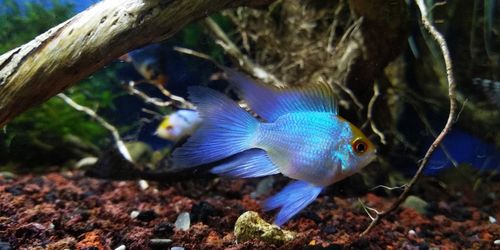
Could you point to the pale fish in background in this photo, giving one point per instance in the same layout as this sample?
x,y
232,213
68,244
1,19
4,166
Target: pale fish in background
x,y
302,137
490,88
178,125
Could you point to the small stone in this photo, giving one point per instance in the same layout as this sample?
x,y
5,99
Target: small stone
x,y
202,211
122,247
139,151
7,175
492,219
86,162
147,215
5,245
15,190
415,203
177,248
160,242
250,226
412,235
329,229
263,187
91,240
496,242
134,214
164,229
143,184
183,221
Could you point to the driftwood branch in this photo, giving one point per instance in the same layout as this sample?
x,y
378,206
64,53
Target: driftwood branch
x,y
178,101
174,100
147,99
120,145
449,123
71,51
237,56
369,114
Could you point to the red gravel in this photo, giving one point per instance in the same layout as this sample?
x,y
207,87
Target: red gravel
x,y
68,210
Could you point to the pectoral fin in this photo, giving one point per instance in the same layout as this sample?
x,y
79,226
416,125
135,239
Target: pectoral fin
x,y
250,163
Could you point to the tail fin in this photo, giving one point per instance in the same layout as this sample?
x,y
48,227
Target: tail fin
x,y
226,130
293,198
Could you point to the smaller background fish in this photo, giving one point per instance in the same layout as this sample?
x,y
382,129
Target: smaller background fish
x,y
490,88
149,63
178,125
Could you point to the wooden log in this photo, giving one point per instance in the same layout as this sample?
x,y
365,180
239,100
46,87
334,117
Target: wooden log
x,y
71,51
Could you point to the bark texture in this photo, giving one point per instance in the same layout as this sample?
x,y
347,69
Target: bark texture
x,y
69,52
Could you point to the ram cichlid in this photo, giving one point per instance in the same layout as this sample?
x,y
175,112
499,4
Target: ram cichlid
x,y
300,135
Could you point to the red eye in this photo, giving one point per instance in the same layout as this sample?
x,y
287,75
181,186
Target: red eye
x,y
359,146
169,127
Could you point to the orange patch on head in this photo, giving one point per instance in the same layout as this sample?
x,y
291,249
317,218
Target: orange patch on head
x,y
360,143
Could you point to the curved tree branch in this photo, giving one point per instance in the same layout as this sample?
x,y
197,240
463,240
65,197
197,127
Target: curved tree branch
x,y
447,127
67,53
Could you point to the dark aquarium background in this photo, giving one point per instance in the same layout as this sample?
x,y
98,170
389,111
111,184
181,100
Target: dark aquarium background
x,y
65,185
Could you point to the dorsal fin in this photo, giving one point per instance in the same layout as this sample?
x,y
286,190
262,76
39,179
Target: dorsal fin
x,y
271,102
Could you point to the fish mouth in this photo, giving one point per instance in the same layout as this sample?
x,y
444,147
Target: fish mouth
x,y
372,158
369,159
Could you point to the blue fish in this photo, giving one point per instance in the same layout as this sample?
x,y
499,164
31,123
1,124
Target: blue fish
x,y
300,135
463,148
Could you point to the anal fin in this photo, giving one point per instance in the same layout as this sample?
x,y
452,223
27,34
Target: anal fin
x,y
250,163
292,199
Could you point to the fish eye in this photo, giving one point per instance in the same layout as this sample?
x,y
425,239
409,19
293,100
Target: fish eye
x,y
169,127
359,146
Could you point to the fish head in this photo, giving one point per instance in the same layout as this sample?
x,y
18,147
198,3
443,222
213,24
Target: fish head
x,y
178,125
354,152
362,150
165,129
170,128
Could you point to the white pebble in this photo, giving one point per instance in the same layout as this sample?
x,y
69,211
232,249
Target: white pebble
x,y
177,248
183,221
122,247
263,187
160,241
492,219
496,242
86,162
143,184
412,232
134,214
